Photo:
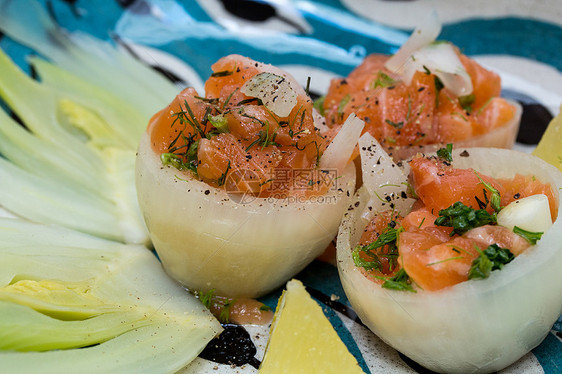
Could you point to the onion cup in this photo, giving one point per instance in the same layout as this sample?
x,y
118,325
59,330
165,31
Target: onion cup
x,y
477,326
208,239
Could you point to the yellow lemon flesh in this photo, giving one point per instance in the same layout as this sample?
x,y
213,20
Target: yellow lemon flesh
x,y
550,146
302,340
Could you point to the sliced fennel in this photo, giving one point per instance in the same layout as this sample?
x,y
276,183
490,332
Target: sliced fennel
x,y
73,165
88,305
91,59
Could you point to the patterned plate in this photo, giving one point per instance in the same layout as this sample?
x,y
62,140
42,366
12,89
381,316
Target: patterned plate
x,y
322,39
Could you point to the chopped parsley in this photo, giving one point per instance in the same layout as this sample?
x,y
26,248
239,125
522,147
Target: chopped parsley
x,y
387,238
462,218
492,258
532,237
446,153
399,282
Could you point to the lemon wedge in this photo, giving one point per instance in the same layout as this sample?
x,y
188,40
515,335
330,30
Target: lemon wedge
x,y
549,148
302,340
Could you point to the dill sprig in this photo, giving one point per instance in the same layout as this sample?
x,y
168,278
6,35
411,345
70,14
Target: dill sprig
x,y
265,139
382,80
401,281
387,238
222,178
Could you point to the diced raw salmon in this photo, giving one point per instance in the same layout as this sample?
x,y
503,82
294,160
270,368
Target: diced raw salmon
x,y
397,114
439,185
252,143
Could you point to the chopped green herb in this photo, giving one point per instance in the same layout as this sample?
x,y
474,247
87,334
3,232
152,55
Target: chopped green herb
x,y
446,260
438,87
426,70
207,298
318,153
382,80
484,105
492,258
264,138
342,104
210,100
172,160
409,108
222,178
386,238
228,98
266,182
463,218
532,237
265,308
177,162
319,105
373,264
394,124
192,120
446,153
460,115
399,282
410,190
466,102
495,199
219,122
222,73
307,89
250,100
224,315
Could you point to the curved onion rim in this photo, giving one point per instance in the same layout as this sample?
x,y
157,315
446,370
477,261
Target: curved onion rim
x,y
500,137
541,252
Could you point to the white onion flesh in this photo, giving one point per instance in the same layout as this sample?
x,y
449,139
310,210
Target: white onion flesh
x,y
383,179
208,241
273,90
478,325
423,35
530,213
420,53
442,60
338,153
